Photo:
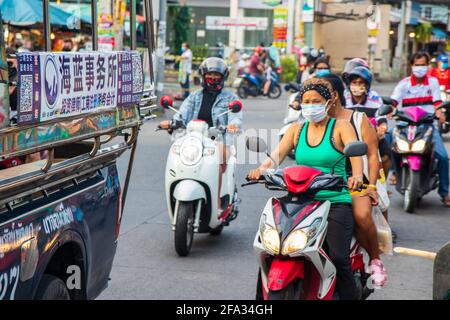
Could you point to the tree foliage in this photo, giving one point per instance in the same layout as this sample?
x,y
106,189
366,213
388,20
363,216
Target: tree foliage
x,y
181,22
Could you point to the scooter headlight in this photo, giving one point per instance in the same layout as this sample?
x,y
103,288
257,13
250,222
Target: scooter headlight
x,y
296,241
271,240
402,145
191,151
418,146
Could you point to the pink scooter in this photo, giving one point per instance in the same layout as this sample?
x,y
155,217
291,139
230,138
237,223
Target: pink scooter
x,y
413,154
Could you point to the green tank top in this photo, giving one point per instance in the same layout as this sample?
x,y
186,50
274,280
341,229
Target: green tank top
x,y
322,157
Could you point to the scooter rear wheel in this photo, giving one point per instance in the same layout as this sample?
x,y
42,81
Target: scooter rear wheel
x,y
184,228
275,93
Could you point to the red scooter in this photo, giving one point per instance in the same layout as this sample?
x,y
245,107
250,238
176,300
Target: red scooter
x,y
289,244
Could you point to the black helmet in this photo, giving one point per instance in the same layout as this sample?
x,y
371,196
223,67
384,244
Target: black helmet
x,y
350,65
214,65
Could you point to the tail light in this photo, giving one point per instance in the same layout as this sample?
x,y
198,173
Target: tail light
x,y
118,214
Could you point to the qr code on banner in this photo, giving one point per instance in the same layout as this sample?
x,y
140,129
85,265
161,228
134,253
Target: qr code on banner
x,y
138,79
26,93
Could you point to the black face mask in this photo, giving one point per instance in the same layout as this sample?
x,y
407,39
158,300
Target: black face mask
x,y
213,85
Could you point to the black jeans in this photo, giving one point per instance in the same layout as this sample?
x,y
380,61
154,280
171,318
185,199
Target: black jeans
x,y
338,240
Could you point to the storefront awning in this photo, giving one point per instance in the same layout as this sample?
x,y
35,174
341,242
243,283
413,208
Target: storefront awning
x,y
439,34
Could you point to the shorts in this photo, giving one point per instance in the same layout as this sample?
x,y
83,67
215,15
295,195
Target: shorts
x,y
384,148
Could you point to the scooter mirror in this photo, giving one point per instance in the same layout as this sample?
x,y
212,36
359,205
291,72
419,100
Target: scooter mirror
x,y
385,110
166,102
295,106
355,149
445,105
387,100
235,106
256,144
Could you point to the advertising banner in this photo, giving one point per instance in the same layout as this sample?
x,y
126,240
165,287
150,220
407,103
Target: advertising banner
x,y
280,25
58,85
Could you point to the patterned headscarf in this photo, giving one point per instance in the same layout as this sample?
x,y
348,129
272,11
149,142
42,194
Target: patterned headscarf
x,y
320,88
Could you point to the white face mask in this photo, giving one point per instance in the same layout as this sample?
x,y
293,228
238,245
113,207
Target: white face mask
x,y
314,112
357,91
420,71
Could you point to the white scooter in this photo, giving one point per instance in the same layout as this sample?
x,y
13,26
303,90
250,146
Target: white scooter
x,y
192,178
292,114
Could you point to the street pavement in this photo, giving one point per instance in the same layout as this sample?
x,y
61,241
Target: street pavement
x,y
147,267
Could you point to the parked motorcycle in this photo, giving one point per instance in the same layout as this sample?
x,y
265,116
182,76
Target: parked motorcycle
x,y
293,114
192,178
289,244
250,86
413,153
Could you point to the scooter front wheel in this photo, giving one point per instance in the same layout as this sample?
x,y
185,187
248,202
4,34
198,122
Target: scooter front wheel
x,y
290,292
411,192
184,228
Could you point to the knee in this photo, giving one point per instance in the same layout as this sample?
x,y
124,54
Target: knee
x,y
363,219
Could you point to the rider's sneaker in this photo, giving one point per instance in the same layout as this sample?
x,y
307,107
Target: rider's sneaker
x,y
378,272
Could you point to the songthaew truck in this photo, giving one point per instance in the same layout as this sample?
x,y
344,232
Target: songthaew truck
x,y
61,201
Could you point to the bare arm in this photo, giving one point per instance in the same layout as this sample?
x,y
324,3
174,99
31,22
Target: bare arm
x,y
347,135
279,153
371,139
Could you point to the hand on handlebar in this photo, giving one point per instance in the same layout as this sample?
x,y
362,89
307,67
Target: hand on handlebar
x,y
254,175
164,124
441,117
232,128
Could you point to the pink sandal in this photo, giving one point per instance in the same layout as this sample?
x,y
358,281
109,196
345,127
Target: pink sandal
x,y
378,272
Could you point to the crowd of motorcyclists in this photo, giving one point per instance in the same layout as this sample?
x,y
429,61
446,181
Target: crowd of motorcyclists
x,y
336,110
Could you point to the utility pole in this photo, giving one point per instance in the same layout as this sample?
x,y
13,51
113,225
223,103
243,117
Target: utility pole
x,y
291,26
234,12
398,60
161,48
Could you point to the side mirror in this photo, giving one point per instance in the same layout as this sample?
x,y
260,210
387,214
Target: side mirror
x,y
385,110
387,100
296,107
166,102
256,144
445,105
235,106
355,149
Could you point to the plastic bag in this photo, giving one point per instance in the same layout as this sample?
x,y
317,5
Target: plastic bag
x,y
383,231
383,197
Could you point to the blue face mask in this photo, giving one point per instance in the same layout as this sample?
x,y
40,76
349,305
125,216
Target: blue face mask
x,y
183,50
322,72
445,65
